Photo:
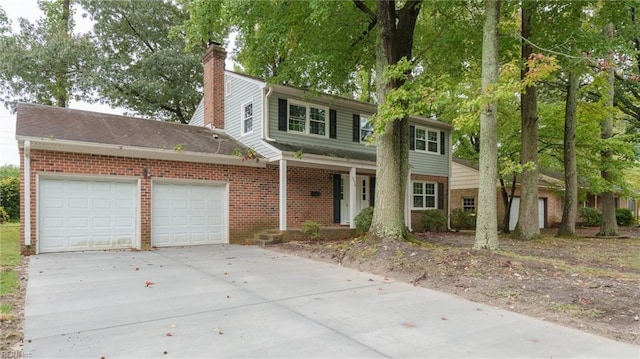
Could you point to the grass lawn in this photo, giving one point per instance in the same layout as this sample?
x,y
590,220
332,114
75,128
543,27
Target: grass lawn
x,y
9,259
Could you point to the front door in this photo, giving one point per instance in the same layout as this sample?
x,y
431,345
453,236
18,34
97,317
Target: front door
x,y
362,196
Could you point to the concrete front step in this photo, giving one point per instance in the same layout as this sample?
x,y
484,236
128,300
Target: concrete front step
x,y
268,237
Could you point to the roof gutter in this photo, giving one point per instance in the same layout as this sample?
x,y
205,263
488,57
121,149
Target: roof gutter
x,y
135,152
319,160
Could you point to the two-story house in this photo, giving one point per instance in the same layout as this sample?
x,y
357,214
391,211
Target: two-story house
x,y
254,157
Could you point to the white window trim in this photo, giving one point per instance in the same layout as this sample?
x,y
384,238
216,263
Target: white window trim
x,y
426,145
307,126
424,195
242,118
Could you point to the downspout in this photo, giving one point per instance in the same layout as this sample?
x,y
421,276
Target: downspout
x,y
27,193
407,202
449,183
265,116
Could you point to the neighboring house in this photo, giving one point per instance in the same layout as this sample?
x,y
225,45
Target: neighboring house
x,y
464,194
254,157
630,203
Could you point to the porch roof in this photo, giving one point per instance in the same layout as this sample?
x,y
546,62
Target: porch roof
x,y
331,152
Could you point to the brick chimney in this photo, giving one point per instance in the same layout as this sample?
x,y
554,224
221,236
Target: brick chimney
x,y
213,63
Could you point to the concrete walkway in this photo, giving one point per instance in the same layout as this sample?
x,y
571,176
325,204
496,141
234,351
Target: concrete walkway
x,y
247,302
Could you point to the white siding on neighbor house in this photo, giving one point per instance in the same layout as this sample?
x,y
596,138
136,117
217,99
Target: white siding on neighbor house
x,y
463,177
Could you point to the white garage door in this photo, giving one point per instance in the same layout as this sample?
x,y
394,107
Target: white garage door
x,y
515,210
77,214
188,214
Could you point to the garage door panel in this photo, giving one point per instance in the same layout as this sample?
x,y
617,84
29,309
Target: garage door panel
x,y
187,214
198,221
124,204
78,222
76,214
78,242
124,222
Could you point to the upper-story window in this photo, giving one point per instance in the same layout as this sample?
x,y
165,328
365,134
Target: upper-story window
x,y
366,128
426,140
307,119
247,118
318,121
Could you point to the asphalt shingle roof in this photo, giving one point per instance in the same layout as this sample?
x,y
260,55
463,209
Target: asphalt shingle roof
x,y
55,123
324,151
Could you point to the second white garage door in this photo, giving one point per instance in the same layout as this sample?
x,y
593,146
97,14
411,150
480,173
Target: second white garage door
x,y
188,214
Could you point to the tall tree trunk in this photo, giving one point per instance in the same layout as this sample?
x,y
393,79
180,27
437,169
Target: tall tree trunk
x,y
487,219
394,41
528,226
62,88
609,225
570,206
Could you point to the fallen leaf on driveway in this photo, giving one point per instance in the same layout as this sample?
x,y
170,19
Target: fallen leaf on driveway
x,y
444,318
169,334
218,330
148,284
409,325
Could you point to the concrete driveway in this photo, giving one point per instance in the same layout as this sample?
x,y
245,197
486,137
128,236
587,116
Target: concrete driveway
x,y
230,301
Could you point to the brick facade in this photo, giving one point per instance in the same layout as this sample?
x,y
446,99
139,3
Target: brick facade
x,y
553,208
213,86
416,215
253,192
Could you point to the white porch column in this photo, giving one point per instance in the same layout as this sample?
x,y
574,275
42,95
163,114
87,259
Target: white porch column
x,y
283,195
407,202
353,196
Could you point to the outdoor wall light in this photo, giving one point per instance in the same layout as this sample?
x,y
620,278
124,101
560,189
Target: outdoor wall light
x,y
145,172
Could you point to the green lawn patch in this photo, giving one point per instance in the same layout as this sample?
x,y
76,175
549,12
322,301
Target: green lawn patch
x,y
9,257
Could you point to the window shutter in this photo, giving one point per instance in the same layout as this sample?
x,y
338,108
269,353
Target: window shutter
x,y
412,137
356,128
372,193
336,198
333,119
440,195
282,114
442,150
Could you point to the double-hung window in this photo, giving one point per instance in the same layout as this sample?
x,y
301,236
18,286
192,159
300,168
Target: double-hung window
x,y
318,121
305,118
297,118
424,195
247,118
366,128
426,140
